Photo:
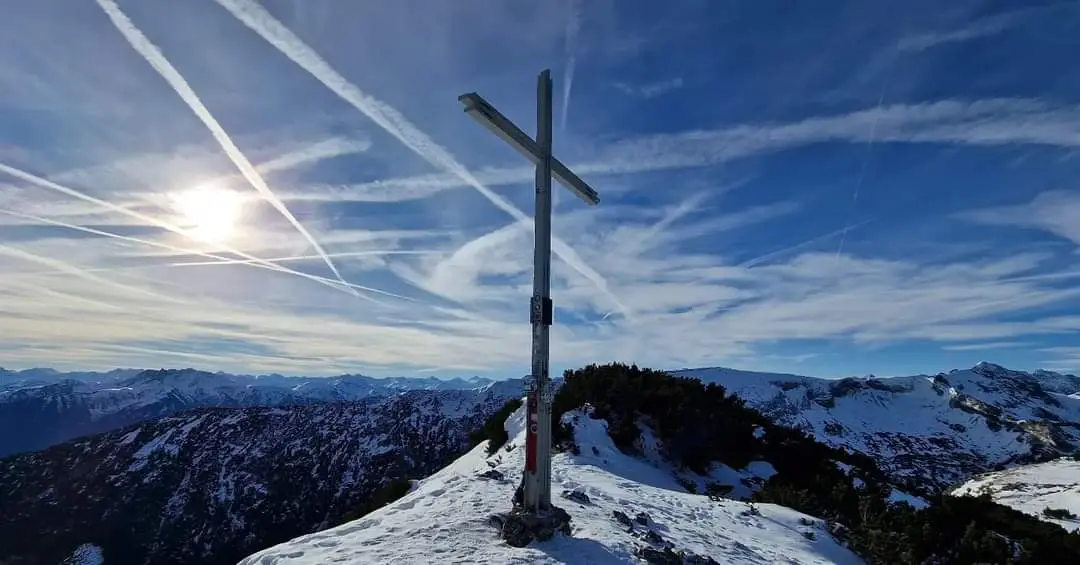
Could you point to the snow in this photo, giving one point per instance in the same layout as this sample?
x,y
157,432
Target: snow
x,y
86,554
168,442
897,496
444,518
1032,488
129,437
905,422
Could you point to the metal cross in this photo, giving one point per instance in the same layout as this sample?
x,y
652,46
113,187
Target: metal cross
x,y
536,487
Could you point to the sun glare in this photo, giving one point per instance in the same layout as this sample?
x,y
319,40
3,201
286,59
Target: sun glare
x,y
211,213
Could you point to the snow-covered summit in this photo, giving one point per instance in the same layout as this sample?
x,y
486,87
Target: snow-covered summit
x,y
445,519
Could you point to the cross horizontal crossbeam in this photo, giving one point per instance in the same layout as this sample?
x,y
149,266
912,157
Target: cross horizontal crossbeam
x,y
486,114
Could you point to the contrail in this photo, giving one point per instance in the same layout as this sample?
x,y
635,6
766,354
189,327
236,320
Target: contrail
x,y
377,252
45,183
869,147
79,299
678,212
393,122
573,26
223,261
318,151
79,273
762,258
154,56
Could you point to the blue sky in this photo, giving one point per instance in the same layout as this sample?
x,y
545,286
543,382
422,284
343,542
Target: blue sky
x,y
827,188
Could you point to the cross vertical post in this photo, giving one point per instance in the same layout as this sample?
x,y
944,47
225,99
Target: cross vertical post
x,y
536,480
537,491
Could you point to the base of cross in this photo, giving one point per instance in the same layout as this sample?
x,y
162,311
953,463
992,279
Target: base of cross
x,y
522,526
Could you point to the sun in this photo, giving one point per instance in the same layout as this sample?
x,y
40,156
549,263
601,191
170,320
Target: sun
x,y
211,213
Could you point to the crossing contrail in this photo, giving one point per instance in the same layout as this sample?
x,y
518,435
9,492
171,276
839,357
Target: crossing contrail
x,y
262,263
369,253
393,122
223,261
157,60
763,258
869,148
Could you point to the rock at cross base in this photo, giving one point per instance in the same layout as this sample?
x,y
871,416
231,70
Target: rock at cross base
x,y
520,528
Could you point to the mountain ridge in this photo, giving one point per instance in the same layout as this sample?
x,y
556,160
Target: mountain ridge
x,y
51,407
929,432
218,483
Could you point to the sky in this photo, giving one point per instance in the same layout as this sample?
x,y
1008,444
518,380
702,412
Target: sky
x,y
828,188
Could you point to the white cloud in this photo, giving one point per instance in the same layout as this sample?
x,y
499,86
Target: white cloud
x,y
679,265
176,81
389,119
1057,212
690,309
987,345
651,89
979,122
981,27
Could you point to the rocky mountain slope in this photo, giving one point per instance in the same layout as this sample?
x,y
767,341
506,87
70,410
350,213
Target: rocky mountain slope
x,y
214,484
51,407
928,432
1033,489
630,511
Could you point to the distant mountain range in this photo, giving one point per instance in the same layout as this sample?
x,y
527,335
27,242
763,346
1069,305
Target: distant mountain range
x,y
928,431
50,407
212,485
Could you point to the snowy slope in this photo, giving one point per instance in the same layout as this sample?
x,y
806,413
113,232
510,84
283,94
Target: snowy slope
x,y
86,554
54,407
1032,488
445,518
930,431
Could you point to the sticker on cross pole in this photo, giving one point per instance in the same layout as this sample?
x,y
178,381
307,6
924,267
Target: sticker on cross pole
x,y
540,310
